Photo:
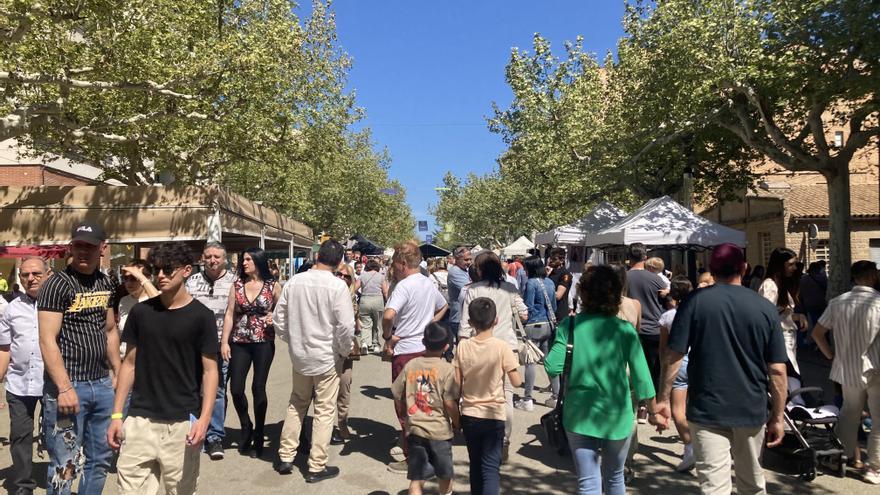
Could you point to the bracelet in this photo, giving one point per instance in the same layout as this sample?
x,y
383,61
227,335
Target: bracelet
x,y
68,389
116,415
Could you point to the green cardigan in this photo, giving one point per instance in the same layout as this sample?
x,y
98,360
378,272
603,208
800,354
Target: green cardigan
x,y
597,398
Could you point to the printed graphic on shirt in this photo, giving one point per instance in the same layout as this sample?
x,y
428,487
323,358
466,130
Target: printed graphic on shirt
x,y
424,390
89,300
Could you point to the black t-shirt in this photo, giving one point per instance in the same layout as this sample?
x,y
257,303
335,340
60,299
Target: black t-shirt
x,y
561,276
732,333
83,300
168,366
645,287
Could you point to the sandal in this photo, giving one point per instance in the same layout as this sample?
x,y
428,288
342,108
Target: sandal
x,y
857,465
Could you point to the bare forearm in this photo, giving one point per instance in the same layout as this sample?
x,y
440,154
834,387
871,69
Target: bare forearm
x,y
4,362
113,351
54,365
671,366
210,382
124,383
778,392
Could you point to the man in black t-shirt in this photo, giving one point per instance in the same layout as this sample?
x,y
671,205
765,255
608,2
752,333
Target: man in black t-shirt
x,y
80,347
561,278
170,360
736,354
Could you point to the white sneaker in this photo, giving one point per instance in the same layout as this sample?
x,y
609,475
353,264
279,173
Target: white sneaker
x,y
871,476
525,405
688,461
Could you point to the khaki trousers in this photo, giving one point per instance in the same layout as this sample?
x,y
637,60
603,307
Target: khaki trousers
x,y
712,449
344,398
854,400
326,387
156,450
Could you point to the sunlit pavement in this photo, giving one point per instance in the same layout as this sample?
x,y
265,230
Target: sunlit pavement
x,y
532,469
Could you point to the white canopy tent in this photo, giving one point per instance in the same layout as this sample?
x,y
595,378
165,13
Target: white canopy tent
x,y
664,222
519,247
603,215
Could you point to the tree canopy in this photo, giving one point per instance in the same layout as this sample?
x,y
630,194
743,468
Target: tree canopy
x,y
706,88
242,93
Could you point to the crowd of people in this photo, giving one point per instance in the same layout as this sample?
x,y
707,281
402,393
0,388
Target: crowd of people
x,y
144,370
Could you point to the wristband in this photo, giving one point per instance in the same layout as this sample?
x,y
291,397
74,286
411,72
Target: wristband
x,y
68,389
117,415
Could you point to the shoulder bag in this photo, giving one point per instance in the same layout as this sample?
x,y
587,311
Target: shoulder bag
x,y
528,352
542,330
551,423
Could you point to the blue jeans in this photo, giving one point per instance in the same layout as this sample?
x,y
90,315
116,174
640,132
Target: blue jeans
x,y
216,431
77,444
595,476
484,438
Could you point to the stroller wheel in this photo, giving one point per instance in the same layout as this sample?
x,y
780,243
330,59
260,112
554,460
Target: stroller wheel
x,y
809,475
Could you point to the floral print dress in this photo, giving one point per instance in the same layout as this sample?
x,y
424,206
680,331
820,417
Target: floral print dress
x,y
252,326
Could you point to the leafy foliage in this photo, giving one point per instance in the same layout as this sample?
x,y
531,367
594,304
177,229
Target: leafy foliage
x,y
244,93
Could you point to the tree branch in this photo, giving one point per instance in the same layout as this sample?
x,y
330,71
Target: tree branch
x,y
66,82
773,132
817,128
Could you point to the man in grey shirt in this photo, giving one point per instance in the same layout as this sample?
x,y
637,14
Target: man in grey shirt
x,y
457,278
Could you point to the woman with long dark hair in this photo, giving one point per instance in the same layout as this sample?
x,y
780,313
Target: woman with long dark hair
x,y
249,340
540,299
598,415
780,288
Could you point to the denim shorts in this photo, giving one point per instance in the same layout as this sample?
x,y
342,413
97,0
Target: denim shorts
x,y
681,379
427,458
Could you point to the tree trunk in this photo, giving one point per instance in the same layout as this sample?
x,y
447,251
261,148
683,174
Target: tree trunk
x,y
839,223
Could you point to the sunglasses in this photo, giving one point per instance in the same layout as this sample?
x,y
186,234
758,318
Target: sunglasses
x,y
129,278
169,270
343,275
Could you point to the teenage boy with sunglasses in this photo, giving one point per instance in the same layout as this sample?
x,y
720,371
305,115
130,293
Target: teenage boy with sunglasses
x,y
171,357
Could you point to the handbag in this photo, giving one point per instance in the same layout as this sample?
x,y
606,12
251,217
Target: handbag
x,y
538,331
550,313
528,352
551,423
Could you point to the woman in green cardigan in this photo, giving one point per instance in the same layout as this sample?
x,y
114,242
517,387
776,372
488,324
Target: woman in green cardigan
x,y
598,415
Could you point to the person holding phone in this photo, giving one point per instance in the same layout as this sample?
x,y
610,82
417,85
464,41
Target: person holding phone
x,y
170,360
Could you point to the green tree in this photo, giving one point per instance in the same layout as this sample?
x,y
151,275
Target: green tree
x,y
775,75
242,93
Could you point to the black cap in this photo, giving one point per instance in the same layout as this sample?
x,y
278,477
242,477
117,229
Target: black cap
x,y
87,231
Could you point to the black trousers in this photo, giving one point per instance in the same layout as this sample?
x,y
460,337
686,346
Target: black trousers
x,y
651,348
243,356
21,440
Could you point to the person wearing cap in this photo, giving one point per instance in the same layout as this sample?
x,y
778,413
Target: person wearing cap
x,y
736,357
80,347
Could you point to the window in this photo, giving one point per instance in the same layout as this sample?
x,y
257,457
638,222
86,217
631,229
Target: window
x,y
874,250
838,139
822,252
765,246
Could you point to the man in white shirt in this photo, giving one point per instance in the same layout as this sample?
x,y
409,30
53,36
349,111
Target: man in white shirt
x,y
414,303
314,315
21,364
854,317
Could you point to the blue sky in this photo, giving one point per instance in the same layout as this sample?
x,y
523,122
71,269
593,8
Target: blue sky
x,y
427,73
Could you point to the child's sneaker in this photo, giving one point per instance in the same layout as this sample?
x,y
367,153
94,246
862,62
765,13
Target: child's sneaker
x,y
525,405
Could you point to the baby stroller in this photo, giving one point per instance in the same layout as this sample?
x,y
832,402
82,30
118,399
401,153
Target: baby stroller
x,y
809,441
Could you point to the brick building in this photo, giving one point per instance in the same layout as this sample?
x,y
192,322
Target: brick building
x,y
18,168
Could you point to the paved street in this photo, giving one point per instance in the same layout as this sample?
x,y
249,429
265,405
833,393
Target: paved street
x,y
531,470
